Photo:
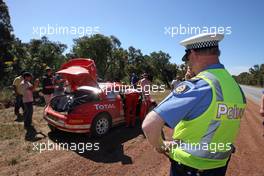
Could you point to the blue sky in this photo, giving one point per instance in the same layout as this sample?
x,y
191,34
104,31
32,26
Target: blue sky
x,y
142,23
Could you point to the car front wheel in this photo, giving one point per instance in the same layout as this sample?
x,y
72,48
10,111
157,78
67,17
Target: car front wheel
x,y
101,125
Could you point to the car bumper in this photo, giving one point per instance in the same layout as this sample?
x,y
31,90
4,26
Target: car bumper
x,y
59,121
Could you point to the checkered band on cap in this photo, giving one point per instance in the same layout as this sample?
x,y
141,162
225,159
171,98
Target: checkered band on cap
x,y
205,44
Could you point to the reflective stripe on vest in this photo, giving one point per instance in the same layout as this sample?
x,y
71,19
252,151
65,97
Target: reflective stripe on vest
x,y
211,77
206,139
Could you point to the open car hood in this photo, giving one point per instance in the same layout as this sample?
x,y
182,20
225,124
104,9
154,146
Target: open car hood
x,y
79,72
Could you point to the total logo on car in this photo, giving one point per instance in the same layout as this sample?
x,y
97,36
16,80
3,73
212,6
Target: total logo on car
x,y
104,106
90,107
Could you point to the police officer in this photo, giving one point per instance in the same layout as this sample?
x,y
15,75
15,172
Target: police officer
x,y
204,112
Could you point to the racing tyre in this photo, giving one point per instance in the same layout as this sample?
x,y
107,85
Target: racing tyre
x,y
101,125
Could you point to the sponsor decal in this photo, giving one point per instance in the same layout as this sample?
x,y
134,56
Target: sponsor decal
x,y
104,106
232,112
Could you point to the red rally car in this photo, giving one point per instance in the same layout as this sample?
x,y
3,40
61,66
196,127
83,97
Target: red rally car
x,y
90,107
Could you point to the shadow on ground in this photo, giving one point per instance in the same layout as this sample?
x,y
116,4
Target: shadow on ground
x,y
110,146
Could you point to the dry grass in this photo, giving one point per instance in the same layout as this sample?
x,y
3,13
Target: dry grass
x,y
6,95
6,98
159,96
15,152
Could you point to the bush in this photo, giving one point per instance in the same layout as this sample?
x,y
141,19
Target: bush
x,y
6,96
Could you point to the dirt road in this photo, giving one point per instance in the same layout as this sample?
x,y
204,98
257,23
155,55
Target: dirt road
x,y
123,151
253,93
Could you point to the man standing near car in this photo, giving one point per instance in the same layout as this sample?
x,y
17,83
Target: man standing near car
x,y
145,88
204,111
18,93
134,80
47,85
59,85
27,92
131,102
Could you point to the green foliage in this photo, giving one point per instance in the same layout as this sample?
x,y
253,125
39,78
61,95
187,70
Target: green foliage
x,y
254,77
6,38
43,53
113,62
97,47
163,69
34,57
5,95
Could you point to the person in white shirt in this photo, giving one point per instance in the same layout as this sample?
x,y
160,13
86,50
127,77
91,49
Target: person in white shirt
x,y
27,92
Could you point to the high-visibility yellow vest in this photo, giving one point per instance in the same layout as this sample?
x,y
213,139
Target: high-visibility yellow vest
x,y
206,141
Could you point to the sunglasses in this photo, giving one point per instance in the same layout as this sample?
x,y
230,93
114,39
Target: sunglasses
x,y
186,56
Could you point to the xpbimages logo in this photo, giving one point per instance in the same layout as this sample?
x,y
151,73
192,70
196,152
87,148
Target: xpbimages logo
x,y
79,147
176,30
147,89
56,29
204,147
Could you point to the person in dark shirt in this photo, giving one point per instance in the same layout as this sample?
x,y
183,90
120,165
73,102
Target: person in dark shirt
x,y
134,80
47,85
59,84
